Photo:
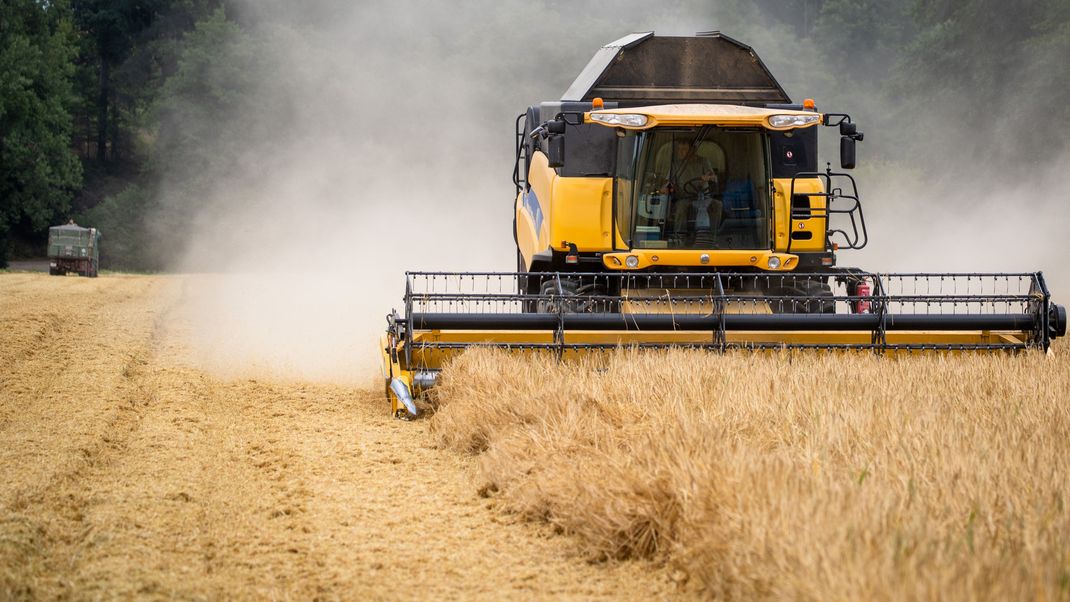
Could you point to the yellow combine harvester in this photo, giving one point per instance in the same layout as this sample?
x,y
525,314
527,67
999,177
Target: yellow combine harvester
x,y
690,211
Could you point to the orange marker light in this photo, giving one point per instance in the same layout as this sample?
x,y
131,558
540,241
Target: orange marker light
x,y
597,104
809,104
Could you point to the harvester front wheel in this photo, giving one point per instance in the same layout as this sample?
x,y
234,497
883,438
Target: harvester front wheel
x,y
574,297
804,297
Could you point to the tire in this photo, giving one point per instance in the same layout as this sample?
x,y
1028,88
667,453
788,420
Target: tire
x,y
527,283
549,287
582,304
815,297
53,271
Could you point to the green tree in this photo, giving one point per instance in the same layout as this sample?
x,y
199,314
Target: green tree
x,y
121,217
111,29
38,170
198,117
120,196
863,38
210,98
139,78
996,72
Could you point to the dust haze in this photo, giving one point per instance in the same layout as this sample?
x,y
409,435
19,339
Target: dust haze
x,y
393,151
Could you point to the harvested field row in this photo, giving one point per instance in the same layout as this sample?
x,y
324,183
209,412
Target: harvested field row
x,y
785,476
130,472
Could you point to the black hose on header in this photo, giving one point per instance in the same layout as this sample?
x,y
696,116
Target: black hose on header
x,y
768,322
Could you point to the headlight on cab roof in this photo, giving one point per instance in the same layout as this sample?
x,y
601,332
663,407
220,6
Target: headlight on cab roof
x,y
633,120
792,121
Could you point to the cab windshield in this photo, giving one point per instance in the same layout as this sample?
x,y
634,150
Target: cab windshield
x,y
693,188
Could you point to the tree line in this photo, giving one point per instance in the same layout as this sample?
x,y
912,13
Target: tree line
x,y
104,103
84,88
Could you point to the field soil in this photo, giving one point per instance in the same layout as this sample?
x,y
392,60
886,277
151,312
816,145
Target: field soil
x,y
130,472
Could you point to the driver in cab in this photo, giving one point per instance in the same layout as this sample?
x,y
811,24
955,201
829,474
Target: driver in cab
x,y
692,184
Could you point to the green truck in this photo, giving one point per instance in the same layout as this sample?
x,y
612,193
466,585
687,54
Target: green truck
x,y
72,248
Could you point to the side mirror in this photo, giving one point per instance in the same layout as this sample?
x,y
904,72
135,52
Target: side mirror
x,y
555,150
847,152
849,136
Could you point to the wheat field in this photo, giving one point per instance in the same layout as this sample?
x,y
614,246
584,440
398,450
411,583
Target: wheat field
x,y
787,475
130,471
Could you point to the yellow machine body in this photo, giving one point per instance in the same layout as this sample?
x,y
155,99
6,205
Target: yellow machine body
x,y
580,344
556,211
568,209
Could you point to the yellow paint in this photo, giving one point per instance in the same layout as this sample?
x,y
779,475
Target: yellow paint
x,y
579,210
575,210
435,359
527,237
717,258
582,213
816,225
706,114
393,369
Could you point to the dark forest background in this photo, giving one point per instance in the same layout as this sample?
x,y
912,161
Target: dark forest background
x,y
104,103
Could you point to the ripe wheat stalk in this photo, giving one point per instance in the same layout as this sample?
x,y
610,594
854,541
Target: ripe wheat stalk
x,y
785,475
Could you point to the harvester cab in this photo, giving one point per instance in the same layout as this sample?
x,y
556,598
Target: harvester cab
x,y
674,197
678,153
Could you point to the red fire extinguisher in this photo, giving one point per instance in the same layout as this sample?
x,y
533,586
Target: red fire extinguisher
x,y
861,306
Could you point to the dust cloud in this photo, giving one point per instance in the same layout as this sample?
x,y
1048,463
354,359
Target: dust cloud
x,y
394,151
953,179
944,196
1006,221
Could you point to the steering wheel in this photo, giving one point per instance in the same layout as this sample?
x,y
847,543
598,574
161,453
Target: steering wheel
x,y
694,186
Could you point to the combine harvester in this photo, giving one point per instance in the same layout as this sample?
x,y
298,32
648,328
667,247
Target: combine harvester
x,y
689,211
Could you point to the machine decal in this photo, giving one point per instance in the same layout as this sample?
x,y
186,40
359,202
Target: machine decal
x,y
531,203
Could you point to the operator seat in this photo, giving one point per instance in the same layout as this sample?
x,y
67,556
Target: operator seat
x,y
742,215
